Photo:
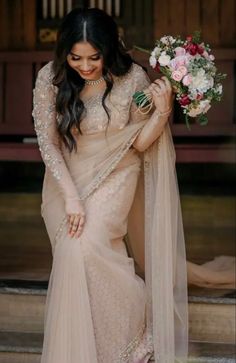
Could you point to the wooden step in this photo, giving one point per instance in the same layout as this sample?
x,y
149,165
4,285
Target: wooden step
x,y
27,348
211,312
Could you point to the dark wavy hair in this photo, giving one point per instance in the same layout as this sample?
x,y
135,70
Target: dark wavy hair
x,y
102,34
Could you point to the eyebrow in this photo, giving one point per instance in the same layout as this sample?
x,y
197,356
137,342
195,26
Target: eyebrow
x,y
92,55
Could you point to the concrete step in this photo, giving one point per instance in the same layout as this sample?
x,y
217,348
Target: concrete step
x,y
211,312
212,316
200,352
27,347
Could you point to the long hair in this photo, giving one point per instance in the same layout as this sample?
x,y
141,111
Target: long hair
x,y
102,34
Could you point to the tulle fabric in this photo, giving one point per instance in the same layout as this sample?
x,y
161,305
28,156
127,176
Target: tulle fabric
x,y
155,242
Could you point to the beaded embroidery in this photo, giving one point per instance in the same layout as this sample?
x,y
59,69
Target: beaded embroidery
x,y
125,354
44,119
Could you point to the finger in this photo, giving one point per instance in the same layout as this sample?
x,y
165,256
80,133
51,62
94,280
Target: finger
x,y
71,218
167,83
81,226
155,90
74,224
160,83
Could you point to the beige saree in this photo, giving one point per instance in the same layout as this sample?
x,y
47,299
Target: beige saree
x,y
119,292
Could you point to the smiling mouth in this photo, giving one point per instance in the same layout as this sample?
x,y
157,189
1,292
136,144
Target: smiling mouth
x,y
86,73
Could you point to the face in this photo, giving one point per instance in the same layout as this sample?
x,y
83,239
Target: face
x,y
86,60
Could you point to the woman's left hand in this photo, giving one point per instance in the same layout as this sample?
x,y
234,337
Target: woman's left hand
x,y
162,94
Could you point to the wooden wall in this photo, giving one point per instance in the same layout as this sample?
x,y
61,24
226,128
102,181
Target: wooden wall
x,y
215,19
17,24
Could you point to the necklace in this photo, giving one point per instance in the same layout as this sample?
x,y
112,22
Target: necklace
x,y
94,82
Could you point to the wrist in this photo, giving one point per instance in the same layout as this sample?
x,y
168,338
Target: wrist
x,y
164,113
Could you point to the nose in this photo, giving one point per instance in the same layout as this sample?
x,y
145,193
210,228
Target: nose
x,y
85,66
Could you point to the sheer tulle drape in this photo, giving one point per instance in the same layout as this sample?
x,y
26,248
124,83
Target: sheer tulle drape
x,y
155,241
163,243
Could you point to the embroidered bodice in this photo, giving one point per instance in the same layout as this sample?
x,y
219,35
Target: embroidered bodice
x,y
94,119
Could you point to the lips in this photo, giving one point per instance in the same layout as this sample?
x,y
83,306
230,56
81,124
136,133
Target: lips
x,y
86,73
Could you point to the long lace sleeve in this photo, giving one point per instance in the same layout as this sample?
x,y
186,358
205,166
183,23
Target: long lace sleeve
x,y
141,81
45,124
155,124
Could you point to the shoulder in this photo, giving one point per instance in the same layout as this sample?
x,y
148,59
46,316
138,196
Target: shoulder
x,y
44,80
140,76
137,77
46,73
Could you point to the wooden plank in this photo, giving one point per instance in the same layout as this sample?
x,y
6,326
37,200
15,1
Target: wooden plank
x,y
19,94
161,18
193,21
16,28
205,153
26,57
210,22
138,14
227,23
177,17
4,25
126,23
19,152
149,23
29,23
222,113
2,94
203,131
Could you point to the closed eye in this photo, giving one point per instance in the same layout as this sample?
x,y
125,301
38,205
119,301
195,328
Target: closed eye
x,y
94,57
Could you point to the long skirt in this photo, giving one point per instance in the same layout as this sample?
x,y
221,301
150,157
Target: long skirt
x,y
95,305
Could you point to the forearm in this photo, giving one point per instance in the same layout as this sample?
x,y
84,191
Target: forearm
x,y
151,131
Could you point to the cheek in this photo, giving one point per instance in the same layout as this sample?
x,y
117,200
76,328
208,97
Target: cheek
x,y
100,65
71,64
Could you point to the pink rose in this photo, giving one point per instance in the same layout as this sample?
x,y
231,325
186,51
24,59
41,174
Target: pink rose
x,y
183,70
205,54
187,80
199,96
185,100
180,51
177,76
179,61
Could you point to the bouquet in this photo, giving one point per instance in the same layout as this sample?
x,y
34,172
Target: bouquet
x,y
189,66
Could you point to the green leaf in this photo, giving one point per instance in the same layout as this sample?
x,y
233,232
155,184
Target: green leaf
x,y
197,36
202,119
187,122
142,49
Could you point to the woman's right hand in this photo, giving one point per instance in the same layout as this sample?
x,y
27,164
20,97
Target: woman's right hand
x,y
76,217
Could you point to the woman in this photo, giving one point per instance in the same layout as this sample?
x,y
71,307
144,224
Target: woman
x,y
109,170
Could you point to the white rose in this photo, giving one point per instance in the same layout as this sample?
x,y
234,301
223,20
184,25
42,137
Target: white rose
x,y
202,107
201,82
205,105
157,51
195,111
164,60
219,89
152,61
168,39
